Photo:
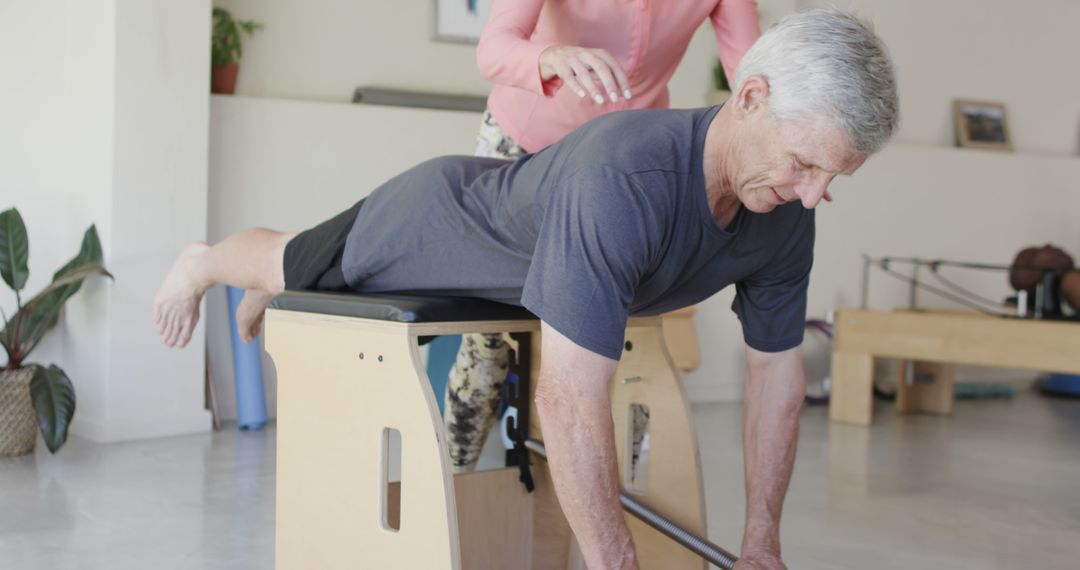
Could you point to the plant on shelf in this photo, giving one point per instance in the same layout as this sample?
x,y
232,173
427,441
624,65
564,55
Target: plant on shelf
x,y
720,81
28,390
721,90
226,48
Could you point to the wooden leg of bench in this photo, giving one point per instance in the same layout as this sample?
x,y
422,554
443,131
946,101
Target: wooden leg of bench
x,y
925,387
669,480
851,398
680,337
495,520
334,408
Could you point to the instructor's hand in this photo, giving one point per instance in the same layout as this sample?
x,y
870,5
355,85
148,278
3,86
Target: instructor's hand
x,y
760,561
587,71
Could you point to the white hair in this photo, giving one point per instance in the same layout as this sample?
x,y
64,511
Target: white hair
x,y
827,64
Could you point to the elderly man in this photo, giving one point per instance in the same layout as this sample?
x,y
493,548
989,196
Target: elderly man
x,y
638,212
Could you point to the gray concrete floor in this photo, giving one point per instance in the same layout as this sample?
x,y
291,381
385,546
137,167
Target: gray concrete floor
x,y
995,486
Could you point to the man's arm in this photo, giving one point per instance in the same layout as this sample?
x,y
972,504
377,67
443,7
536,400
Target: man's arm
x,y
575,413
775,388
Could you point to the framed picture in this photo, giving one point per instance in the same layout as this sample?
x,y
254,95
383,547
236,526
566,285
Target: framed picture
x,y
981,124
460,21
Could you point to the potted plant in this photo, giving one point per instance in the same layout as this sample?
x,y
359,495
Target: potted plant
x,y
721,90
28,390
226,47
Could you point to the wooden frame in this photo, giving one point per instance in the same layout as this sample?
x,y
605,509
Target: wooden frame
x,y
981,124
934,340
680,337
342,381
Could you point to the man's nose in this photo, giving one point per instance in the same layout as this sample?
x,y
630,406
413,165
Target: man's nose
x,y
813,189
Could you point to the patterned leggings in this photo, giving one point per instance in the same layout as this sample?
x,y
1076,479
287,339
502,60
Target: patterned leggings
x,y
474,389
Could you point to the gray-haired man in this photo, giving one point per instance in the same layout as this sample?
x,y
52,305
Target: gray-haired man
x,y
634,213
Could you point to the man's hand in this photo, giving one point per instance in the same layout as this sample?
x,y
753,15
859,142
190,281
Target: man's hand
x,y
760,561
581,68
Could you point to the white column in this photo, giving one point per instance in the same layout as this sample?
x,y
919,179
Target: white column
x,y
106,122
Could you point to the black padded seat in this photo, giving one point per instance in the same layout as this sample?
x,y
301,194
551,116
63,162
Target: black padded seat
x,y
399,308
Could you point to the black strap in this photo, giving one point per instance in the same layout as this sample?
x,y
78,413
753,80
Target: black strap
x,y
517,396
525,475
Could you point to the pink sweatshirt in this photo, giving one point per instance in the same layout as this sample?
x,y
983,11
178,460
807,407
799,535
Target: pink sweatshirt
x,y
648,37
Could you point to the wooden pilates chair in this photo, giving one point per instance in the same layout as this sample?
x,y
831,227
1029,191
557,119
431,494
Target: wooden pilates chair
x,y
349,370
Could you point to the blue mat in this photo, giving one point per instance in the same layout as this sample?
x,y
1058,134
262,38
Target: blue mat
x,y
1062,384
442,353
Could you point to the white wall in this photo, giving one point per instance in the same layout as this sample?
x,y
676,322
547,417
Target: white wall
x,y
1019,53
323,49
1022,54
107,124
159,202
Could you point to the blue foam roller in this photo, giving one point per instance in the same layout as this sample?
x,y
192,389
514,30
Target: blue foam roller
x,y
247,370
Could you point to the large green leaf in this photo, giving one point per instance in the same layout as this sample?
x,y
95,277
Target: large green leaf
x,y
26,328
43,311
7,351
54,402
89,252
4,341
14,249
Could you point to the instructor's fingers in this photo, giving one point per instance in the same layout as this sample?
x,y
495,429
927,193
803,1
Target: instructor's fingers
x,y
566,73
585,77
602,70
620,74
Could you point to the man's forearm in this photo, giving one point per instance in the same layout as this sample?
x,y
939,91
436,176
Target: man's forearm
x,y
581,454
770,436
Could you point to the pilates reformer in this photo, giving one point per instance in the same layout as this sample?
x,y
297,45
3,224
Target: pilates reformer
x,y
349,374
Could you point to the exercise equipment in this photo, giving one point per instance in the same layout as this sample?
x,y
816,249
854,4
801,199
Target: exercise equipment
x,y
350,381
247,369
929,344
1061,385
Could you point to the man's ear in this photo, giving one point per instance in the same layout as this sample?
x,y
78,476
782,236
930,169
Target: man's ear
x,y
751,96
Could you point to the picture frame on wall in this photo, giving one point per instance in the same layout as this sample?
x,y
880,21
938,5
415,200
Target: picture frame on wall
x,y
460,21
981,124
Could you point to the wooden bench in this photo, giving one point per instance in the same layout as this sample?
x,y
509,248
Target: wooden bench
x,y
349,371
929,344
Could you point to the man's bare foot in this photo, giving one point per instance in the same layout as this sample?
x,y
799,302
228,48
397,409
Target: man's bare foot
x,y
176,305
249,315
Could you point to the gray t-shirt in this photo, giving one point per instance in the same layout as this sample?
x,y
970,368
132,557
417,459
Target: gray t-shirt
x,y
611,221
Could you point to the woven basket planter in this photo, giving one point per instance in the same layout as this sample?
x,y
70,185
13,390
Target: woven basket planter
x,y
18,422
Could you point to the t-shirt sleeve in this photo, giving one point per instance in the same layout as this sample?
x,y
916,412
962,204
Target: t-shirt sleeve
x,y
771,303
591,251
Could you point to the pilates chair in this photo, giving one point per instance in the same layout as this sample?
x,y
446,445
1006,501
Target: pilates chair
x,y
349,371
